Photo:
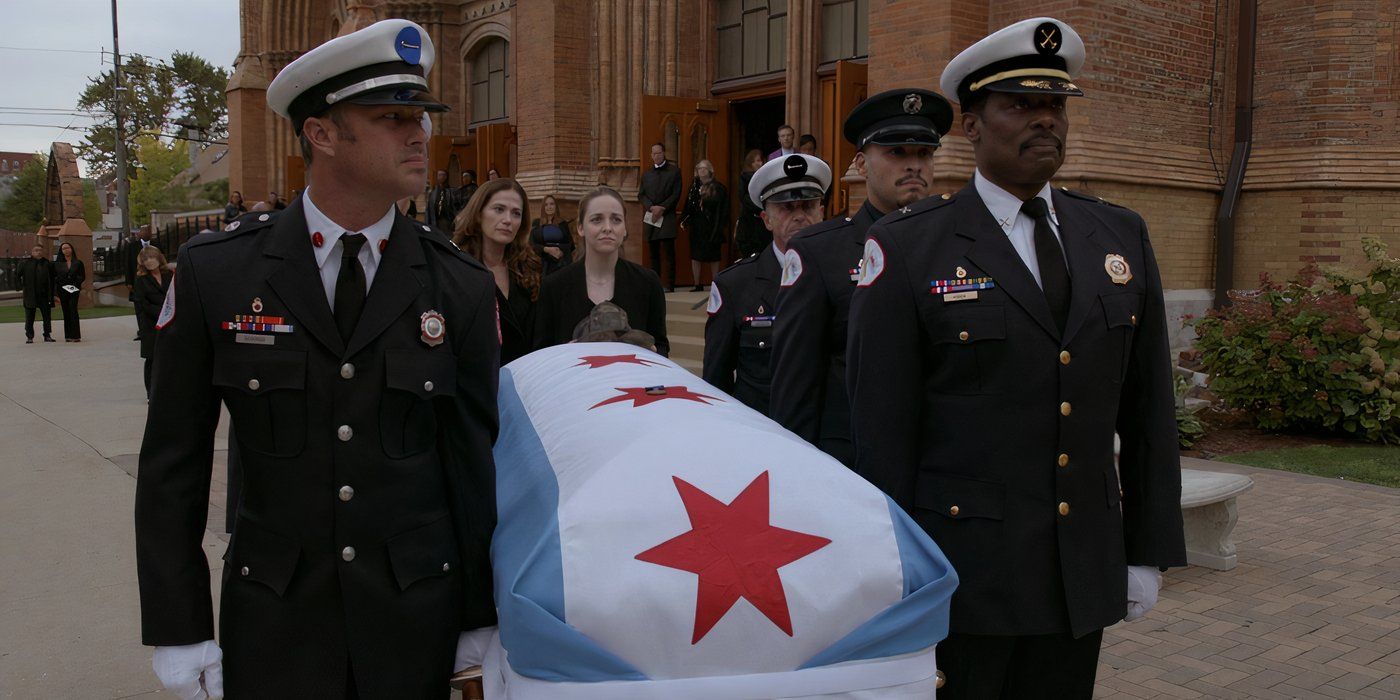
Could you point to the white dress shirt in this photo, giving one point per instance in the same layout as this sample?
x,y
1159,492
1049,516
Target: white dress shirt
x,y
328,255
1019,228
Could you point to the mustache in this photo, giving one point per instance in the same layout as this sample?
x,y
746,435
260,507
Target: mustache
x,y
911,178
1042,139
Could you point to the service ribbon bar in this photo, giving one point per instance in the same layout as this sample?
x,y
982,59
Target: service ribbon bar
x,y
964,285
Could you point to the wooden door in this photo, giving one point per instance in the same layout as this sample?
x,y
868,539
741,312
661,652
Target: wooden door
x,y
839,97
493,145
692,130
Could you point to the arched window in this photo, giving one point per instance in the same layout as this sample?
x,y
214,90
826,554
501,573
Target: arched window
x,y
752,37
845,29
490,71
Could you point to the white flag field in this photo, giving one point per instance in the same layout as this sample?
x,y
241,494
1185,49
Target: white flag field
x,y
657,538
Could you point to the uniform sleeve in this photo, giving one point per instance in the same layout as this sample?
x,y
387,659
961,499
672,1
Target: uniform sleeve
x,y
799,357
721,342
1150,461
467,429
172,484
885,375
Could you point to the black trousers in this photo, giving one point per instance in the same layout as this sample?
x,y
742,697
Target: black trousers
x,y
666,246
71,331
978,667
29,321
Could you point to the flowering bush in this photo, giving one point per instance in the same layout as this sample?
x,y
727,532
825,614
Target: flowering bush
x,y
1319,352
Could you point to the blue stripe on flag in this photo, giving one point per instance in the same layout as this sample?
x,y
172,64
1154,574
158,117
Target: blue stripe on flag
x,y
916,622
528,567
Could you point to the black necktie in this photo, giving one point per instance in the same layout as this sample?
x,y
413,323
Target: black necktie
x,y
349,285
1054,274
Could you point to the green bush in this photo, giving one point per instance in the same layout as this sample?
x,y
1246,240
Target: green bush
x,y
1319,352
1189,428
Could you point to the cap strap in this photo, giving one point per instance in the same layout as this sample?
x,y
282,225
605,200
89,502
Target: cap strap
x,y
372,83
1021,72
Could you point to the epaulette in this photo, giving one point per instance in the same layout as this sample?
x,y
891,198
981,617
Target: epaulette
x,y
924,205
1089,197
823,226
243,225
440,239
741,261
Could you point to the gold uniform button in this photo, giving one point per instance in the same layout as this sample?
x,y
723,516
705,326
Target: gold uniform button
x,y
953,510
347,371
963,335
1064,460
939,678
346,493
1133,318
254,385
348,554
1064,357
1064,508
1065,409
243,571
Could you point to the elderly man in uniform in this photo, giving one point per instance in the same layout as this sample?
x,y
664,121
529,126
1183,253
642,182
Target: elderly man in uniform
x,y
895,134
357,353
999,338
743,299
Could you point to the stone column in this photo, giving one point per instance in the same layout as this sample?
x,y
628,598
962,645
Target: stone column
x,y
248,132
802,86
555,134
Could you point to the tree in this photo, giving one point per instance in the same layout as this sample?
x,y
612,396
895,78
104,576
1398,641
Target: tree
x,y
23,210
150,187
159,96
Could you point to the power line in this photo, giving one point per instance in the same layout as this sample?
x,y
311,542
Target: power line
x,y
28,48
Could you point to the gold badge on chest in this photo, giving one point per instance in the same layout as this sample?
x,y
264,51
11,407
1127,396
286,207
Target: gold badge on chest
x,y
1117,268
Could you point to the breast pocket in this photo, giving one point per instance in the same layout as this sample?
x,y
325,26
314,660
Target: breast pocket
x,y
755,349
1120,312
412,380
968,345
265,390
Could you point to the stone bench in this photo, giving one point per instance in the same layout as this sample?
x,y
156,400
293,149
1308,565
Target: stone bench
x,y
1208,514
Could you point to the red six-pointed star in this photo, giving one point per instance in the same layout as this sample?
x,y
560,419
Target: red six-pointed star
x,y
643,395
736,552
597,361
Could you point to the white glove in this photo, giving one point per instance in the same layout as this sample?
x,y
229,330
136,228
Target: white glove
x,y
193,671
1143,584
471,647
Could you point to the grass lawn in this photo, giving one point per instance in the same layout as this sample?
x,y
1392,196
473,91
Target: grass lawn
x,y
1368,464
15,314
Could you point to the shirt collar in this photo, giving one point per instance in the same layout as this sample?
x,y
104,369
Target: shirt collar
x,y
1004,206
317,221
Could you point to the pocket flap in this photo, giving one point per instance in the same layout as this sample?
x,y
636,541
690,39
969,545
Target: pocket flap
x,y
959,497
267,557
756,338
969,324
423,552
258,371
1121,309
426,374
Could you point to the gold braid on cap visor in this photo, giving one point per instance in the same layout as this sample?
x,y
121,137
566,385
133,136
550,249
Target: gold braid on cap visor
x,y
1018,73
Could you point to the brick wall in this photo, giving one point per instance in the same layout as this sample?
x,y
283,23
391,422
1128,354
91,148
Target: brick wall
x,y
1280,231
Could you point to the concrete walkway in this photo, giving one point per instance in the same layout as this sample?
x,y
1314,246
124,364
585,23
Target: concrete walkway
x,y
1312,610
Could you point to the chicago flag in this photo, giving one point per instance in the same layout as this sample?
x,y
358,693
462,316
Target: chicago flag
x,y
658,539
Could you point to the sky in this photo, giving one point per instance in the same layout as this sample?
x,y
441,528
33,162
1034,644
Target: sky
x,y
50,48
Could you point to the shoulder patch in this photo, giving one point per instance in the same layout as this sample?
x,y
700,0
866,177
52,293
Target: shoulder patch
x,y
716,300
792,268
872,263
167,307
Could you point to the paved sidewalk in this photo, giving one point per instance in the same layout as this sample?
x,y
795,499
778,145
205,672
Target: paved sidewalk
x,y
1312,610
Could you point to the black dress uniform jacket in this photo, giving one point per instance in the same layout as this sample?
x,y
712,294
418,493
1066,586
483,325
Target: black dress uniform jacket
x,y
739,334
368,500
996,433
809,340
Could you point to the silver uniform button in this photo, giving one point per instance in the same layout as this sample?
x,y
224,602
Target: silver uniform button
x,y
254,384
348,554
762,344
347,371
264,217
427,386
344,432
346,493
446,567
243,571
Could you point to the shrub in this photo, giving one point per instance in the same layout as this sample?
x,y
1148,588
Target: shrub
x,y
1319,352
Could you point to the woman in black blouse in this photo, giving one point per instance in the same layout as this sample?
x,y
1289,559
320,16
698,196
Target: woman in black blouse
x,y
602,275
69,272
550,236
152,282
492,230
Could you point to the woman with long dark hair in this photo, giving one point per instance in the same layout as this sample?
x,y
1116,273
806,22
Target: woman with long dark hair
x,y
152,282
492,230
69,273
551,237
750,235
602,275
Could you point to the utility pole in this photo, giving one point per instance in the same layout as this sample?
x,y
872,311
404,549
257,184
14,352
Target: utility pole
x,y
122,185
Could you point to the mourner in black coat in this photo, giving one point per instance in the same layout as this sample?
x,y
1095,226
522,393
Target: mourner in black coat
x,y
149,295
1000,337
69,271
552,237
659,194
365,410
35,277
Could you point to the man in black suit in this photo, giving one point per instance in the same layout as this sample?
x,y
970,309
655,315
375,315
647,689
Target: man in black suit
x,y
999,338
357,353
659,193
895,134
442,204
743,299
35,276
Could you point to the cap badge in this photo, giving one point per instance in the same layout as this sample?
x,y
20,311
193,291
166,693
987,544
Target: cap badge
x,y
1117,268
913,103
257,305
409,45
431,328
795,166
1047,38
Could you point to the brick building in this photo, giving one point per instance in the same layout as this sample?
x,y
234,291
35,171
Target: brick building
x,y
563,94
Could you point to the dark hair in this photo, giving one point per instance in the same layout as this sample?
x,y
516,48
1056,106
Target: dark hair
x,y
974,103
520,257
806,139
334,113
471,173
748,158
63,257
557,216
788,127
662,145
